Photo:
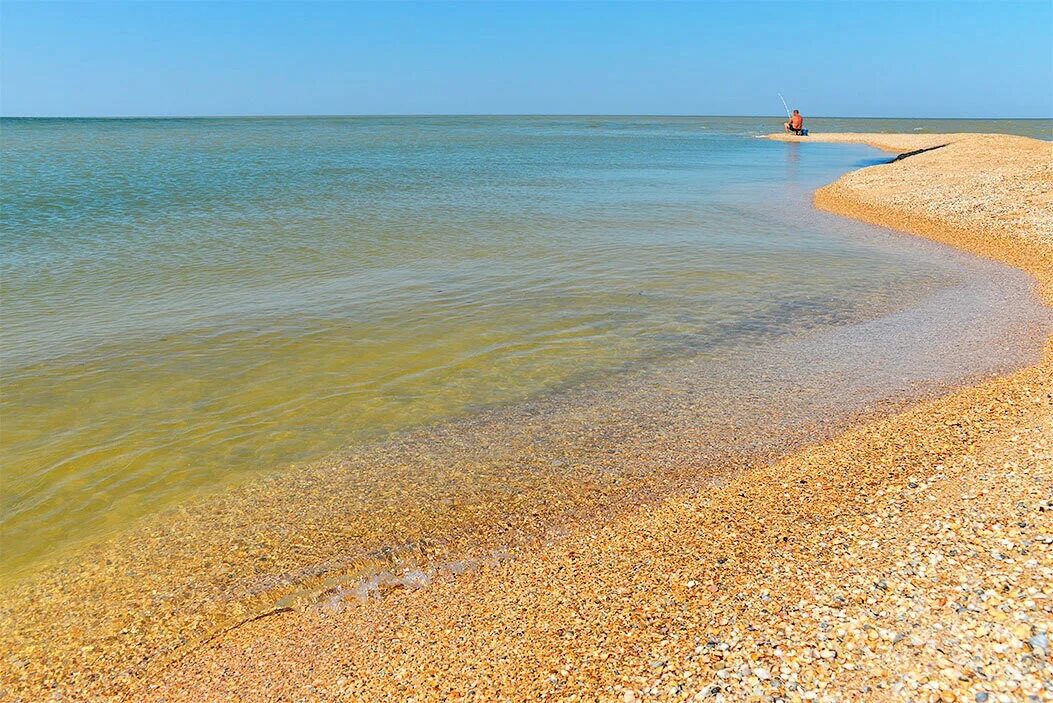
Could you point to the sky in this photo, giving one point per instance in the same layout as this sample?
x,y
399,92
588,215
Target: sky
x,y
848,59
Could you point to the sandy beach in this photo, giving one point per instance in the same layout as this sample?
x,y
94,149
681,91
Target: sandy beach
x,y
908,558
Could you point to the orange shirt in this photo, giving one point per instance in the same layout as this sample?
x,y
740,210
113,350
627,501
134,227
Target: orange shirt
x,y
796,121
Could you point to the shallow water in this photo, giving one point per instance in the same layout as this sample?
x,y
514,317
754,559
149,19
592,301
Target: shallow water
x,y
187,303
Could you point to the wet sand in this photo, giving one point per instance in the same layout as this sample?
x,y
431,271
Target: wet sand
x,y
909,553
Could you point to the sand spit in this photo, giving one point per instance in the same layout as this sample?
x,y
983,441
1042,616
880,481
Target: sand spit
x,y
1003,207
908,559
896,143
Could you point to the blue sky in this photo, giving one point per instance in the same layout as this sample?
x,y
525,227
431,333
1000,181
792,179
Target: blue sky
x,y
937,59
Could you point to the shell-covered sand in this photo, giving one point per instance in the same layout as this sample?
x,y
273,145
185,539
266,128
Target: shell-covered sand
x,y
910,558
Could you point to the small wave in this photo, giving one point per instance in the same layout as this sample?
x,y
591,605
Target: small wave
x,y
335,598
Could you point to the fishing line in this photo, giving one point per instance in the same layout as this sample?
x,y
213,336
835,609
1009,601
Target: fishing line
x,y
784,104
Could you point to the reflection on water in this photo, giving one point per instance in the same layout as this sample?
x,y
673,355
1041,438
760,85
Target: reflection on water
x,y
793,160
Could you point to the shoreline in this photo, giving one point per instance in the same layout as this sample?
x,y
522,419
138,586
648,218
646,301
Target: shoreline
x,y
519,642
887,594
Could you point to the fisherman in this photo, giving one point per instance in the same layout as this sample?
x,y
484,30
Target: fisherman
x,y
795,124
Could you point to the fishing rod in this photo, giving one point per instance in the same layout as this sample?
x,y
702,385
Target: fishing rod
x,y
784,106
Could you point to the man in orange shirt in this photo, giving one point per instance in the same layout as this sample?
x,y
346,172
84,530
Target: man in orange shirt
x,y
795,124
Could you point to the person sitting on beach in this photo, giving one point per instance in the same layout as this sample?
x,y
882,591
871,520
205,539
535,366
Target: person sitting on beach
x,y
795,124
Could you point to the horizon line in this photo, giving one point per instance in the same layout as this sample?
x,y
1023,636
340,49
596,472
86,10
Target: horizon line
x,y
482,114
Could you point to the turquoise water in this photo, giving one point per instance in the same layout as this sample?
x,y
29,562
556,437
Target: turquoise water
x,y
191,302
